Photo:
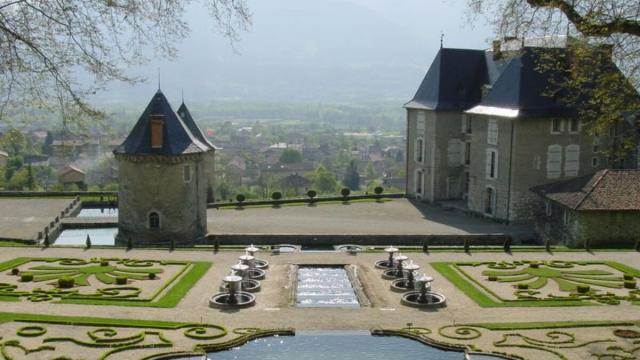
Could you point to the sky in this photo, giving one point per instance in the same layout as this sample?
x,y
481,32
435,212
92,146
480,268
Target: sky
x,y
337,51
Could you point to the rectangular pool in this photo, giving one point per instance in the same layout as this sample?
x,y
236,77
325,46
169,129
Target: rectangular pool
x,y
98,212
99,236
325,286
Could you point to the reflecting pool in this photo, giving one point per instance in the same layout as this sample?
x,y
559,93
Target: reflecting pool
x,y
98,212
338,345
324,287
99,236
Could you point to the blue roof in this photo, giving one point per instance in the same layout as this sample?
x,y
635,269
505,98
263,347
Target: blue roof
x,y
177,138
186,117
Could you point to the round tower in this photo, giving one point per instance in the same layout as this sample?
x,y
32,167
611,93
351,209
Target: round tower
x,y
163,179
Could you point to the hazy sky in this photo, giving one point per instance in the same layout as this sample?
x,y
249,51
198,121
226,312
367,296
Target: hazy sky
x,y
304,50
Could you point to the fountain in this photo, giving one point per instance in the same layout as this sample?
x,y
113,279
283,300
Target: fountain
x,y
349,248
396,271
407,282
234,297
387,264
249,285
423,297
252,272
258,264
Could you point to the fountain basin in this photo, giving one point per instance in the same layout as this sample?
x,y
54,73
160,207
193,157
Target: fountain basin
x,y
384,264
241,299
402,285
248,285
349,248
256,274
391,274
432,299
260,264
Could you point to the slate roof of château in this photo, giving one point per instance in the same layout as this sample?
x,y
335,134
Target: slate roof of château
x,y
185,115
177,137
604,190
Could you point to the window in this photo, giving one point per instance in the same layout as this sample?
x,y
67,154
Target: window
x,y
574,125
157,125
489,201
467,153
554,161
466,124
548,209
595,161
566,219
571,160
420,121
454,152
154,221
595,149
492,164
186,173
419,149
419,182
492,132
556,126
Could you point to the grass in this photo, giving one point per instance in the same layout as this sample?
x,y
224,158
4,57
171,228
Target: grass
x,y
553,324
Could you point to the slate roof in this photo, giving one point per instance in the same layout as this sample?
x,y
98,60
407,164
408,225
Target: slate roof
x,y
185,115
514,85
453,82
177,137
605,190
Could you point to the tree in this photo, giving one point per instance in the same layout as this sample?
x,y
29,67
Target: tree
x,y
371,171
599,30
324,180
290,156
13,141
44,44
351,176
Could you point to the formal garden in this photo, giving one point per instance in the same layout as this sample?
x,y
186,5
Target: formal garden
x,y
99,281
544,283
602,340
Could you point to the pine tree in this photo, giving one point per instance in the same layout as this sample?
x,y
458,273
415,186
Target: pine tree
x,y
88,242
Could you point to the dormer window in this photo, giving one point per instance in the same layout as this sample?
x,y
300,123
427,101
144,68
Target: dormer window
x,y
157,128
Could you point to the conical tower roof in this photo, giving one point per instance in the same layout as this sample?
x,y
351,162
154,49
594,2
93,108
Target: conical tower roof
x,y
177,138
186,117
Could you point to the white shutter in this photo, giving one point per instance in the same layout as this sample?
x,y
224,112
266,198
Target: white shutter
x,y
492,132
454,152
572,160
554,161
421,117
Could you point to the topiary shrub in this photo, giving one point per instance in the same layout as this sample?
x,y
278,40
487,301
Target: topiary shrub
x,y
629,284
345,192
129,244
378,190
312,194
628,277
493,278
104,263
26,277
240,198
522,286
277,195
151,276
583,289
15,271
66,282
122,280
46,242
88,242
534,265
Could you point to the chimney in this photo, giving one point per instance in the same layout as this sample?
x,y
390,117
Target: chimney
x,y
497,52
157,125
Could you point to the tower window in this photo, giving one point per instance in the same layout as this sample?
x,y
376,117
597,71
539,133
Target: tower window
x,y
154,221
157,125
186,173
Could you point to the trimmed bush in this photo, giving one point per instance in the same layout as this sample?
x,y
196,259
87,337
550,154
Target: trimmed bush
x,y
26,277
151,276
534,265
240,198
129,244
88,242
66,282
47,242
378,190
583,289
629,277
104,263
15,271
277,195
312,194
345,192
507,245
467,246
630,284
122,280
547,245
523,286
493,278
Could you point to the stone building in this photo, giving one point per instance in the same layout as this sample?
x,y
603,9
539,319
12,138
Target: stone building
x,y
481,131
165,169
601,208
72,175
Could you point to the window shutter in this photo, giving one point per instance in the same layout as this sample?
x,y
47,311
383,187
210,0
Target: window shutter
x,y
454,152
492,132
572,160
554,161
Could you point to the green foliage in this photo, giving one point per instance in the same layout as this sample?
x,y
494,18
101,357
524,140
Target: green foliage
x,y
312,194
345,192
583,289
240,198
15,271
277,195
378,190
66,282
630,284
26,277
88,242
122,280
290,156
324,180
352,176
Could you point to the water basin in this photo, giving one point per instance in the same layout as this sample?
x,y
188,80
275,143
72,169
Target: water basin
x,y
338,345
325,287
99,236
97,212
